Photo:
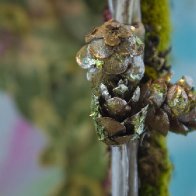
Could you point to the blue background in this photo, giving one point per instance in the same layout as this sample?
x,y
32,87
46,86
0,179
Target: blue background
x,y
183,149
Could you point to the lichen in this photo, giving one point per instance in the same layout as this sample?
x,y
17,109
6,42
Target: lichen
x,y
138,121
95,114
99,64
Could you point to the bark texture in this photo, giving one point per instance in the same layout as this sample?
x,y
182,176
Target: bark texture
x,y
154,164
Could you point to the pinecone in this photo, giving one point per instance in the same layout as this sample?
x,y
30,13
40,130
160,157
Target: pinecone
x,y
123,107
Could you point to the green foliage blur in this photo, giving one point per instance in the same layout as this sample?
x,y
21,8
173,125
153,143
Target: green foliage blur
x,y
38,43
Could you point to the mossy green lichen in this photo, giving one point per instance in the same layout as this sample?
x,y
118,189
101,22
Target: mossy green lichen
x,y
154,164
95,114
155,167
156,14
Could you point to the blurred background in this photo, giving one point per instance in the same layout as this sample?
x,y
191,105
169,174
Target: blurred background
x,y
47,142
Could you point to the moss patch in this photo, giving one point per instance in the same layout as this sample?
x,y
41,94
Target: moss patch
x,y
154,167
155,14
154,164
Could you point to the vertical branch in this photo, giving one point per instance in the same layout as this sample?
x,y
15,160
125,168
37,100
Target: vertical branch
x,y
125,11
128,12
136,18
120,168
155,180
124,158
125,170
132,147
122,10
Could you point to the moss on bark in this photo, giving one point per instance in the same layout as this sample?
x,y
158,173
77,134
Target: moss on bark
x,y
154,167
154,164
156,14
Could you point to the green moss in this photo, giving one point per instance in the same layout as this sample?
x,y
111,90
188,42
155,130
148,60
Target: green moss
x,y
154,164
155,168
155,13
166,174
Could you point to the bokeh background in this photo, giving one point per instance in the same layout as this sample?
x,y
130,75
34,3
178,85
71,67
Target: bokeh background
x,y
46,136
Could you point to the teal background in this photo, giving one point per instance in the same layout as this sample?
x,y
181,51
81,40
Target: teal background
x,y
183,149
